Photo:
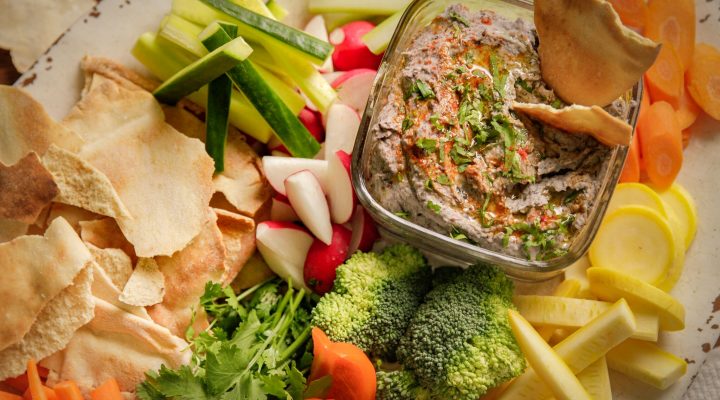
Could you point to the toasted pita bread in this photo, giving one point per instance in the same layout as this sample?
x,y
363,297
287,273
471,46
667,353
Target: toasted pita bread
x,y
186,273
238,234
114,262
82,185
26,127
586,54
73,215
116,344
53,327
11,229
28,287
254,271
27,188
104,288
146,285
163,177
593,121
93,65
106,234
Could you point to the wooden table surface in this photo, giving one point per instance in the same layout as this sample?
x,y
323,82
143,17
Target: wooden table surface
x,y
8,73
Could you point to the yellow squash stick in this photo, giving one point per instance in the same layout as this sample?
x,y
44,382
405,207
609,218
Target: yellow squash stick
x,y
566,288
647,363
546,363
580,349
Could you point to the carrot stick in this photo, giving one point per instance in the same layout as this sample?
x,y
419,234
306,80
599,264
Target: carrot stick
x,y
68,390
9,396
631,170
703,79
51,395
34,382
632,13
665,77
353,374
322,357
109,390
673,22
688,110
661,144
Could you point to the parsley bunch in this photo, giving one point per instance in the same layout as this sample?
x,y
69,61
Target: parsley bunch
x,y
256,347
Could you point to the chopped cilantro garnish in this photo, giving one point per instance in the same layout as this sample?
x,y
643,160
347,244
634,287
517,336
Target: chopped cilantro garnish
x,y
506,237
426,144
402,214
499,78
454,16
424,90
557,103
428,184
443,180
524,85
457,234
484,221
434,207
407,124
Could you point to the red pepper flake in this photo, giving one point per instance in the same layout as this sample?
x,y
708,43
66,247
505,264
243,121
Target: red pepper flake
x,y
523,154
486,20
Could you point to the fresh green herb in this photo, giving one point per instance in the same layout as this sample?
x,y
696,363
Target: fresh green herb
x,y
256,346
441,151
557,103
454,16
457,234
524,85
399,177
572,196
469,58
435,121
424,90
426,144
434,207
443,180
506,236
499,78
485,222
403,214
429,184
460,69
407,123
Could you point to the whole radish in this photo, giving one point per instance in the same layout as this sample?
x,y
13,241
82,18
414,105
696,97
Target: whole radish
x,y
322,260
350,51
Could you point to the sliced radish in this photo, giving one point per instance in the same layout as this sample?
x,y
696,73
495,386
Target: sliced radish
x,y
350,50
364,231
316,27
323,259
312,119
284,246
354,87
281,210
277,169
340,190
341,129
331,77
308,200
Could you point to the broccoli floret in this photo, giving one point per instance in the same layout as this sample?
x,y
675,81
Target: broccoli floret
x,y
399,385
373,299
459,343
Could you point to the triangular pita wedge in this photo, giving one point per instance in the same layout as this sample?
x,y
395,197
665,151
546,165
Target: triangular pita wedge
x,y
26,127
103,288
146,285
82,185
186,274
73,215
26,188
593,121
27,286
106,234
238,234
53,327
114,262
587,56
116,344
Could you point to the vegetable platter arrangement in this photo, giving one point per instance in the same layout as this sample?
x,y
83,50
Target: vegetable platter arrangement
x,y
232,259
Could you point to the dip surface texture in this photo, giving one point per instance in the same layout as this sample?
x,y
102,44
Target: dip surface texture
x,y
449,154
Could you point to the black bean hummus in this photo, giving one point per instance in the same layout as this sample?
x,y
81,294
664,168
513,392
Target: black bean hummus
x,y
449,154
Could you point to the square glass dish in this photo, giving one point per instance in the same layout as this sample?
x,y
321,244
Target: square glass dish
x,y
443,244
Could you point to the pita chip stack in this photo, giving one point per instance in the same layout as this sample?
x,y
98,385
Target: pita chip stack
x,y
146,285
27,188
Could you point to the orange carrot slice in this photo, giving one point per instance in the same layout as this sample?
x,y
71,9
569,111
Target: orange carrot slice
x,y
9,396
323,359
632,12
68,390
673,22
109,390
34,382
51,395
665,77
688,110
703,79
686,136
661,144
631,170
353,374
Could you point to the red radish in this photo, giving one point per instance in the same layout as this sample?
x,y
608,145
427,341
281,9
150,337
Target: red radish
x,y
341,129
322,260
308,200
316,27
354,87
284,246
312,121
277,169
331,77
340,190
350,51
364,231
281,210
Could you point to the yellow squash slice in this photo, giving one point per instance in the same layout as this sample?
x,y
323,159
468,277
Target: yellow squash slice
x,y
546,363
635,194
679,201
596,380
566,288
611,285
635,240
579,350
647,363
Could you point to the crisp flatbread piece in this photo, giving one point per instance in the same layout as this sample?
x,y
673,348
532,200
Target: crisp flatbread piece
x,y
11,229
27,188
116,344
593,121
73,215
53,327
587,55
104,288
106,234
35,270
238,233
114,262
26,127
163,178
186,273
146,285
82,185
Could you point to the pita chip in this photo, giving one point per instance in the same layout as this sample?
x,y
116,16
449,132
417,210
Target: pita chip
x,y
238,234
587,55
81,185
10,229
73,215
593,121
37,268
116,344
27,188
93,65
53,327
254,271
114,263
103,288
186,273
106,234
146,285
26,127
